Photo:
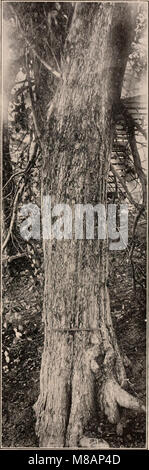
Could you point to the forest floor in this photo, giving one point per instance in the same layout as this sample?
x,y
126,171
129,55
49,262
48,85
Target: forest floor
x,y
22,349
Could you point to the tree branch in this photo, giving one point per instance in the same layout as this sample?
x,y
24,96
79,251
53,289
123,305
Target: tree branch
x,y
18,172
137,163
120,179
130,130
43,62
21,185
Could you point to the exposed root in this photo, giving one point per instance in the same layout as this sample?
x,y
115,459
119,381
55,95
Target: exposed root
x,y
112,396
83,392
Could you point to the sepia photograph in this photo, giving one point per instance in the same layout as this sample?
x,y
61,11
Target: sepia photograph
x,y
74,225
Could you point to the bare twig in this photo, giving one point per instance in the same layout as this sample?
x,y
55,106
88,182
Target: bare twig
x,y
133,275
8,259
13,215
54,56
137,163
13,176
134,231
35,119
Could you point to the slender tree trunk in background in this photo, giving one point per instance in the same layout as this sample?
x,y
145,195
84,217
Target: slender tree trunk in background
x,y
8,191
82,371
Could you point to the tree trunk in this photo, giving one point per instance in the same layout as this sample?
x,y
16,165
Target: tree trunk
x,y
8,187
82,370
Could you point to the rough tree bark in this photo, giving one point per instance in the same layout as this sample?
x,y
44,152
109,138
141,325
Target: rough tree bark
x,y
82,371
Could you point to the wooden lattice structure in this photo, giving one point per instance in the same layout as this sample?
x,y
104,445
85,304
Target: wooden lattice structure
x,y
135,109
